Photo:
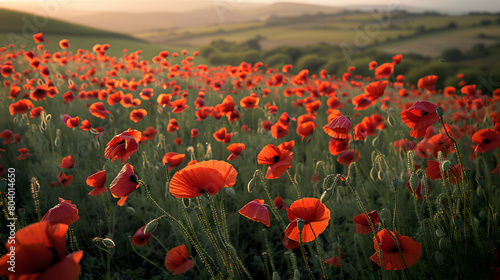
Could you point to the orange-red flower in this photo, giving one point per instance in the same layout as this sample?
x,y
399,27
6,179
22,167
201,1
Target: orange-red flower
x,y
202,177
221,135
249,102
24,153
98,110
391,257
125,182
71,122
64,44
486,139
41,254
427,83
20,107
279,204
63,213
347,157
7,135
140,238
122,146
419,117
384,71
138,115
338,127
256,211
433,171
179,105
148,134
97,181
278,159
362,223
177,260
235,149
64,179
172,159
36,112
67,162
312,213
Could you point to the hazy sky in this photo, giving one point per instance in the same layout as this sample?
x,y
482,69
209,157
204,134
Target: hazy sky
x,y
452,6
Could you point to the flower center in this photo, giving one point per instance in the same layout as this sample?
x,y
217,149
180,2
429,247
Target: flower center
x,y
486,140
276,158
133,178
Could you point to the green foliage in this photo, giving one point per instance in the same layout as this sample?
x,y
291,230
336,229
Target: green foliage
x,y
452,54
313,62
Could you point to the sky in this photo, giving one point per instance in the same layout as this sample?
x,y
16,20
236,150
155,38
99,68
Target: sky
x,y
451,6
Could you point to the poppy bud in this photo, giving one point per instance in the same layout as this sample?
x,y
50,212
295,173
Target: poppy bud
x,y
480,181
108,243
439,112
276,276
394,182
151,226
326,196
3,185
339,239
251,185
411,160
445,166
300,225
186,202
130,210
414,181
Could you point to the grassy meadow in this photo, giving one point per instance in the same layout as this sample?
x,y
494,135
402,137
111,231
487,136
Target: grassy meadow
x,y
416,140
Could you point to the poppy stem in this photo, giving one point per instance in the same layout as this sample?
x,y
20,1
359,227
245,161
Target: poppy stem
x,y
318,248
271,201
304,257
148,260
299,195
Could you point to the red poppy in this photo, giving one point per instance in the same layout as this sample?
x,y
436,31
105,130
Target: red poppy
x,y
375,90
278,159
20,107
384,71
173,159
279,204
64,179
249,102
221,135
177,260
362,223
6,70
36,112
337,146
39,93
287,145
179,105
86,126
486,139
338,127
97,181
419,116
256,211
41,254
98,110
391,257
347,157
202,177
334,261
67,162
122,146
71,122
39,38
138,115
63,213
427,83
64,44
397,59
148,134
172,126
146,93
433,171
125,182
235,149
140,238
194,132
164,100
287,242
279,130
24,153
312,213
7,135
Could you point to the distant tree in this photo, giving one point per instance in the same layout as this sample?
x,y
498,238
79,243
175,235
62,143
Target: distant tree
x,y
251,56
420,29
278,60
310,61
452,54
451,25
478,50
485,22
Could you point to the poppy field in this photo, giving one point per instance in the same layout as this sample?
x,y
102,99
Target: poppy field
x,y
117,167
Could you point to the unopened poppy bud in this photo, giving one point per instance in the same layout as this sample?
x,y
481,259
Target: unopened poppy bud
x,y
439,112
151,226
300,225
339,239
480,181
381,175
251,185
414,182
375,141
166,165
130,210
445,165
326,196
394,182
411,160
276,276
186,202
108,243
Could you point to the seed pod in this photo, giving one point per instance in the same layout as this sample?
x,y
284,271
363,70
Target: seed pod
x,y
300,225
445,166
326,196
251,185
108,242
439,112
414,182
394,182
151,226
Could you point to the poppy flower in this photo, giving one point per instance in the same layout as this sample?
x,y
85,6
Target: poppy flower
x,y
375,90
63,213
287,145
177,260
202,177
98,110
41,254
67,162
164,100
397,59
337,146
64,179
64,44
6,70
146,93
173,159
172,126
235,149
148,134
427,83
279,130
71,122
419,116
305,129
20,107
486,139
86,125
179,105
338,127
312,213
38,38
138,115
7,135
384,71
362,223
24,154
140,238
347,157
287,242
279,204
391,257
433,171
278,159
39,93
125,182
256,211
334,261
36,112
221,135
194,132
122,146
249,102
97,181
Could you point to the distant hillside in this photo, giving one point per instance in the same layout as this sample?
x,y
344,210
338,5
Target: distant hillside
x,y
21,23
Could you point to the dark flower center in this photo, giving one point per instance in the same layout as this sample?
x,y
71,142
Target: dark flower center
x,y
55,256
133,179
486,140
121,142
276,158
423,113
